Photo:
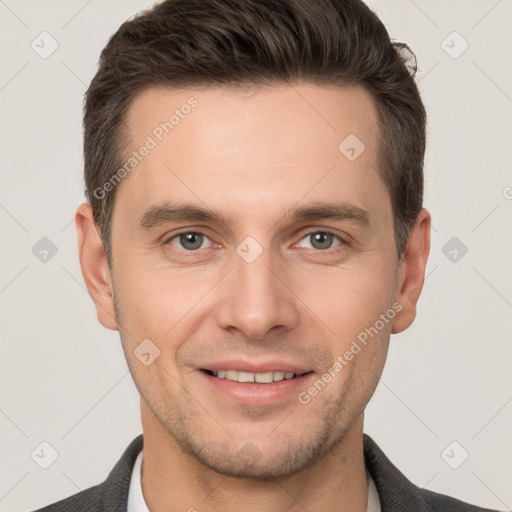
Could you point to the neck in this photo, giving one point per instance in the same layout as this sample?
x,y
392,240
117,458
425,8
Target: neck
x,y
173,480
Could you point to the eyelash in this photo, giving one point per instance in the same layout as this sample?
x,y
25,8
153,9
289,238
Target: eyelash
x,y
337,247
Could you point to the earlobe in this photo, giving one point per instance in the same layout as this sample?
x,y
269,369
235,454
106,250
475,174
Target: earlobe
x,y
411,274
94,266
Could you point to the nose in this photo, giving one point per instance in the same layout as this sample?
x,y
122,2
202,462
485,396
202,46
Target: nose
x,y
255,300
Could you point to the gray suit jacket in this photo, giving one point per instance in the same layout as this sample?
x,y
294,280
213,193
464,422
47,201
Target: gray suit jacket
x,y
396,493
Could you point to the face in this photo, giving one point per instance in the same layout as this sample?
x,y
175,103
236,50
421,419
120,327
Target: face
x,y
250,253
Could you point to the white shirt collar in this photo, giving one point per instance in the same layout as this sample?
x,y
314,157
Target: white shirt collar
x,y
137,503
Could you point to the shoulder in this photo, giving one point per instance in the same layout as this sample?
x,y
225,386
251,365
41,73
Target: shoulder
x,y
445,503
397,493
109,496
83,500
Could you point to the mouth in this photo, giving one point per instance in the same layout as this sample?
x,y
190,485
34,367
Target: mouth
x,y
255,378
268,387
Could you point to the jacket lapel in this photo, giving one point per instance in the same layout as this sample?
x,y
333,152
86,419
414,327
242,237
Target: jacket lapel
x,y
396,492
113,493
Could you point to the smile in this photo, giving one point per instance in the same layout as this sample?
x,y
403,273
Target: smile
x,y
260,378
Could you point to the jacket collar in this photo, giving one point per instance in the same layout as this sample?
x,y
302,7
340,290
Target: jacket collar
x,y
113,493
395,491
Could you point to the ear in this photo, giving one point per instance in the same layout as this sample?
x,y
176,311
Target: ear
x,y
94,266
411,273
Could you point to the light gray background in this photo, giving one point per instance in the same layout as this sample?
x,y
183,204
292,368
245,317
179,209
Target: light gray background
x,y
64,379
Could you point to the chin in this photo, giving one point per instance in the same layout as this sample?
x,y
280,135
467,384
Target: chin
x,y
259,460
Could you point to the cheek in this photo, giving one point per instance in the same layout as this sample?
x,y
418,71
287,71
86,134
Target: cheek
x,y
349,300
155,299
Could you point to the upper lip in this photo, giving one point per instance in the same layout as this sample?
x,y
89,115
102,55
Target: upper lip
x,y
254,367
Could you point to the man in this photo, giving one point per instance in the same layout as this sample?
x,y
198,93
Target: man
x,y
255,232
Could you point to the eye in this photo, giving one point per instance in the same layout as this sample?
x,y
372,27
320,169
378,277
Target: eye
x,y
321,240
188,241
193,241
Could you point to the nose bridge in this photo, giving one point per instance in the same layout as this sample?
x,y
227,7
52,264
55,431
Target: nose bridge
x,y
254,299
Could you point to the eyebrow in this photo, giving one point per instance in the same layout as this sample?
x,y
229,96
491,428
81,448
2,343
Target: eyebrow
x,y
164,213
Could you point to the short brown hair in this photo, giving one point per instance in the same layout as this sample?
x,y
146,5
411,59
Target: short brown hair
x,y
232,43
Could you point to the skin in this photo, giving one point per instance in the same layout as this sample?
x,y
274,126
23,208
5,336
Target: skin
x,y
252,157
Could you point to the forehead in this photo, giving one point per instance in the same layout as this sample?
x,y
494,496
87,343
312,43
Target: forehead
x,y
281,116
270,146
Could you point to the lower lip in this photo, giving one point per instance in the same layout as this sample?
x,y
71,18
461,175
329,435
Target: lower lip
x,y
255,393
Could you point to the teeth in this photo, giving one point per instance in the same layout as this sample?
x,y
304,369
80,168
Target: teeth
x,y
264,378
261,378
231,375
245,377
